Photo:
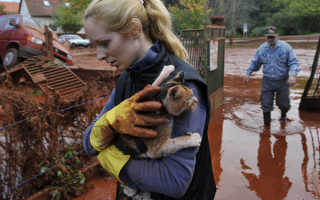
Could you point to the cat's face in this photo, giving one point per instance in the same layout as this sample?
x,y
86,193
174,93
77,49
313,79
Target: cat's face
x,y
178,97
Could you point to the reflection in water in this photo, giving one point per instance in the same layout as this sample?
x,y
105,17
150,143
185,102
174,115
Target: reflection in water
x,y
271,182
312,179
215,133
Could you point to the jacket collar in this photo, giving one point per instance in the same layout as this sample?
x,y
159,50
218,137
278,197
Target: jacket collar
x,y
153,56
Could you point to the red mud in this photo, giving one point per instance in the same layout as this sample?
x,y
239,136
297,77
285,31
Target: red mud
x,y
101,189
251,162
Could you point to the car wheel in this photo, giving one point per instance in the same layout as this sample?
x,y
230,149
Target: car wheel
x,y
1,68
10,58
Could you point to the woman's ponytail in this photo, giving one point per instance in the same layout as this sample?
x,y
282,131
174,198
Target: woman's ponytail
x,y
160,28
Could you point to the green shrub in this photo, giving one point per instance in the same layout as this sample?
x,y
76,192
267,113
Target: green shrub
x,y
257,31
189,14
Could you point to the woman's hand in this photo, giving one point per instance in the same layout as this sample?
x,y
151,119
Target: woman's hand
x,y
135,116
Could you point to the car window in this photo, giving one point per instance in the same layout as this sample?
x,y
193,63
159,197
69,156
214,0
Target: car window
x,y
7,25
3,20
62,38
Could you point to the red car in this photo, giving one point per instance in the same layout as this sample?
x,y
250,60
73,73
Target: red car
x,y
21,37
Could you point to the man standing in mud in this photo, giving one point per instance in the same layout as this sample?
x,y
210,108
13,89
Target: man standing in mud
x,y
280,68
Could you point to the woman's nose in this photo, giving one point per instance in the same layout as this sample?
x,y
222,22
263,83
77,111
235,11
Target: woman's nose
x,y
101,53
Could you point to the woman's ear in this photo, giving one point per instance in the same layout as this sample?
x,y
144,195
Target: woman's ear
x,y
136,28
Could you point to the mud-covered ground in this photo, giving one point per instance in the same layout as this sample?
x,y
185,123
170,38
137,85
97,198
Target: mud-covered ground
x,y
251,162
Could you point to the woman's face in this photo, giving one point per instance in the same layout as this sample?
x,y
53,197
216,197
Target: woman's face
x,y
115,48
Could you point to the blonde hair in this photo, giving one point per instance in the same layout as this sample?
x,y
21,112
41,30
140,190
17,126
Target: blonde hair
x,y
153,15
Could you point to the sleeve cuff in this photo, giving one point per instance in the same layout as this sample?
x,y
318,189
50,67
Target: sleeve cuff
x,y
113,160
101,135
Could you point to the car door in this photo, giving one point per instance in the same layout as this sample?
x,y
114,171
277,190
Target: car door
x,y
7,33
3,21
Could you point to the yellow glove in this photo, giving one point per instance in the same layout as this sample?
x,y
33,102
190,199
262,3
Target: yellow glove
x,y
101,135
133,116
113,160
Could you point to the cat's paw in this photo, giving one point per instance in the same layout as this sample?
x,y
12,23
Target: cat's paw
x,y
195,139
128,191
142,196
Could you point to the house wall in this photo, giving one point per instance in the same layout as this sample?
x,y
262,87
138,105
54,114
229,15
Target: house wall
x,y
24,9
43,20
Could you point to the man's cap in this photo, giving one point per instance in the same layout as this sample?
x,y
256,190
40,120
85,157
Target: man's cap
x,y
270,31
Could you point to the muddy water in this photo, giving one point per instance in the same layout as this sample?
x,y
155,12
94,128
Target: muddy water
x,y
249,161
238,59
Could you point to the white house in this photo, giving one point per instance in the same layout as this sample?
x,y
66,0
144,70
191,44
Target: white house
x,y
40,10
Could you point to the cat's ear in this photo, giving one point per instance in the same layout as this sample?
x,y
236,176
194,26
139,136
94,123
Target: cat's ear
x,y
179,77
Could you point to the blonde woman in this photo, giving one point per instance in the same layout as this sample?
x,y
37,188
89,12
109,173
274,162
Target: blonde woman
x,y
135,36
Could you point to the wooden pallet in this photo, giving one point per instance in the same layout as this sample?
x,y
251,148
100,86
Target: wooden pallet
x,y
54,79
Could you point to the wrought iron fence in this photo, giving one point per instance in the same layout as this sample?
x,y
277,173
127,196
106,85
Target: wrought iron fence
x,y
198,49
199,44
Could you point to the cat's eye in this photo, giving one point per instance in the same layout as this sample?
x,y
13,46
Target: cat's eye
x,y
175,93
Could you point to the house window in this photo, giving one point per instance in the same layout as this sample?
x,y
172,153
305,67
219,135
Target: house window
x,y
46,3
67,4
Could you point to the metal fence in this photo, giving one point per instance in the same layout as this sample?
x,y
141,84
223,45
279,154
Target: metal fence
x,y
35,138
311,96
198,49
199,44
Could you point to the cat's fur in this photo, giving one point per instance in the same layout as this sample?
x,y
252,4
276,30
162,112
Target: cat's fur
x,y
176,99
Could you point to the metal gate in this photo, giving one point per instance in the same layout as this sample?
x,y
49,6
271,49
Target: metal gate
x,y
206,54
311,96
198,49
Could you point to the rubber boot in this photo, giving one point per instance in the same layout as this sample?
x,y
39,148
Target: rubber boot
x,y
267,118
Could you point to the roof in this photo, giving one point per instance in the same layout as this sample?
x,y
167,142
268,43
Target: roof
x,y
37,7
10,7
